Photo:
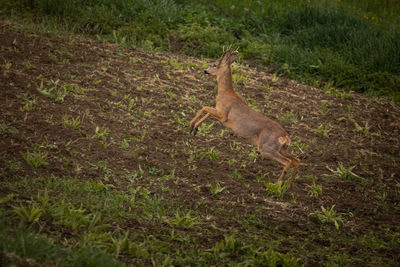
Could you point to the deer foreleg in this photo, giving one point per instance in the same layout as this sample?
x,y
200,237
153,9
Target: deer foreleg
x,y
210,112
295,164
196,117
196,126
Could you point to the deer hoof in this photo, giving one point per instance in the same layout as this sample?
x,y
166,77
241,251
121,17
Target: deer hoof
x,y
195,131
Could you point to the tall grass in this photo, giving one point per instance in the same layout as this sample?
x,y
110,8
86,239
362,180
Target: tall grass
x,y
324,41
352,44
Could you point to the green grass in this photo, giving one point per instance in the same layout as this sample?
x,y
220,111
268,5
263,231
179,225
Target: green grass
x,y
344,173
276,189
352,45
75,206
24,247
330,215
35,159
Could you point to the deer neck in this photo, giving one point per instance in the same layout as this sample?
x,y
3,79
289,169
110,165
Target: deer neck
x,y
225,82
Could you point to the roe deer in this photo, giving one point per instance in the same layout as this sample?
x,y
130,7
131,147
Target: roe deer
x,y
270,138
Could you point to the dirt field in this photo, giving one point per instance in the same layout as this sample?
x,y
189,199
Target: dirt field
x,y
101,113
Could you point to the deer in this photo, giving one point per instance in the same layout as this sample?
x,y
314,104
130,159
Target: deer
x,y
231,110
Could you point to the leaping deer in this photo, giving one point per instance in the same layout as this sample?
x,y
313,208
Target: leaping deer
x,y
270,138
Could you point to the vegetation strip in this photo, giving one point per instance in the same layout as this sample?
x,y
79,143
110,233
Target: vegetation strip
x,y
351,44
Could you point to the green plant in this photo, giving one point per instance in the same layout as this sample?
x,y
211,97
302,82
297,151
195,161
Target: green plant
x,y
205,128
76,219
231,162
7,65
35,159
98,239
300,146
102,166
169,176
29,100
277,189
114,93
156,172
120,244
216,189
124,144
211,154
101,133
71,122
185,221
175,64
74,89
229,246
344,173
55,92
324,107
329,215
143,133
314,190
275,78
24,246
6,127
132,103
253,155
13,165
43,198
289,116
364,130
273,258
30,213
235,174
322,131
6,199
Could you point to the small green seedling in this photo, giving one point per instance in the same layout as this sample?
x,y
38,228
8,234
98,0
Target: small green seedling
x,y
216,189
322,131
185,221
55,92
344,173
30,213
71,122
35,159
211,154
329,215
277,189
314,190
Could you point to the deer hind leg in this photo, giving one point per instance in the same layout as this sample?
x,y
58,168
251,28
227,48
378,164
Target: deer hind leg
x,y
277,156
295,164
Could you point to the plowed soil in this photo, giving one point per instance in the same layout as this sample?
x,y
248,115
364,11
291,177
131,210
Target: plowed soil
x,y
134,109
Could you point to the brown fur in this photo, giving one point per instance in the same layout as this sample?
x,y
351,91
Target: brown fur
x,y
268,135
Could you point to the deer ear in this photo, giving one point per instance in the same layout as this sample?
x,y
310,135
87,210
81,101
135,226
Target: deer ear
x,y
233,58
